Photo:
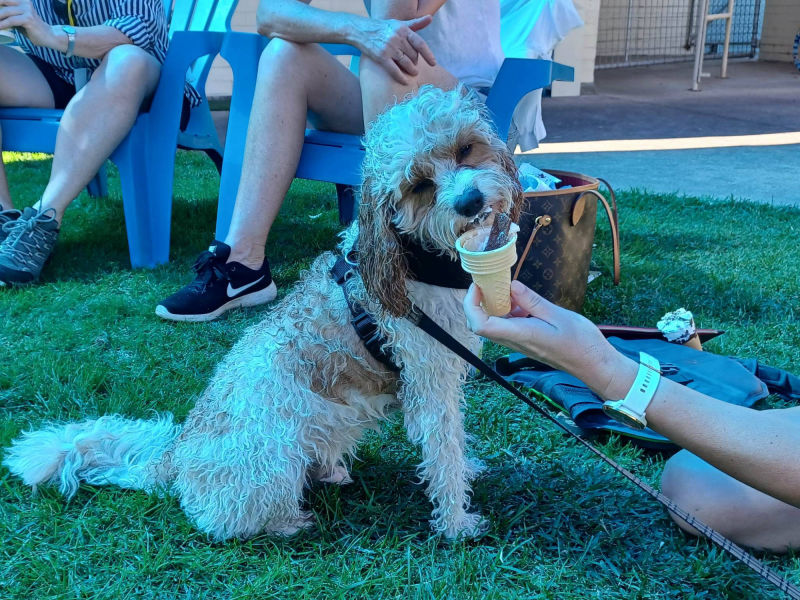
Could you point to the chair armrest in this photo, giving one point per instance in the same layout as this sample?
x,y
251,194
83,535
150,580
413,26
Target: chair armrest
x,y
184,48
31,114
517,77
342,49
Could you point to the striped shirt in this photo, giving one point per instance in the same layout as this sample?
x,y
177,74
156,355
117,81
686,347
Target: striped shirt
x,y
144,22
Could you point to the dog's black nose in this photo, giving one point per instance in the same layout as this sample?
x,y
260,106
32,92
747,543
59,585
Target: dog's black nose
x,y
469,203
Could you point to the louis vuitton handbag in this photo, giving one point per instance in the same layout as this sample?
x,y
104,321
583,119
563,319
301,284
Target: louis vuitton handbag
x,y
556,235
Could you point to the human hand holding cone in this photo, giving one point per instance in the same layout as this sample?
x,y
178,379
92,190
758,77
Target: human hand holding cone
x,y
490,270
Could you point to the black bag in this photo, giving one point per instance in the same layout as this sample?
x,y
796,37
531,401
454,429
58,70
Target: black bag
x,y
555,238
717,376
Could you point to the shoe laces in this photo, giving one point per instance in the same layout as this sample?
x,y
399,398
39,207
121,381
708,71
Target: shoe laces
x,y
17,229
208,269
8,214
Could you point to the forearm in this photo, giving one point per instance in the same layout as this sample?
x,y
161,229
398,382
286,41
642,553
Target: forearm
x,y
759,448
295,21
90,42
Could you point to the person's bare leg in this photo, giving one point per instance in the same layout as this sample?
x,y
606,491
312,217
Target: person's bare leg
x,y
96,120
738,511
293,79
380,90
21,84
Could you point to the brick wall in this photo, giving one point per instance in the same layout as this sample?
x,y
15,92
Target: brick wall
x,y
781,24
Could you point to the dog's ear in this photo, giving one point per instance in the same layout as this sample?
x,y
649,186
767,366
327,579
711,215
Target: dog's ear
x,y
383,264
507,162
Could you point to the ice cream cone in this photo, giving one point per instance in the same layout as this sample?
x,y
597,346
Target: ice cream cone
x,y
678,328
491,271
694,342
6,36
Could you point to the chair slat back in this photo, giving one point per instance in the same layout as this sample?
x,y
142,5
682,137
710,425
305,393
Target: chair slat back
x,y
201,15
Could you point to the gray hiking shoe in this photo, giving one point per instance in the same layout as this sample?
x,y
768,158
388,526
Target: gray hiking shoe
x,y
30,240
6,216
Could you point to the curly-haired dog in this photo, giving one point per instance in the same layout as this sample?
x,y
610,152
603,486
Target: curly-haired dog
x,y
291,399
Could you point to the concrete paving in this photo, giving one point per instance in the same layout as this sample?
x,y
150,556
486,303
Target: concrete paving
x,y
644,128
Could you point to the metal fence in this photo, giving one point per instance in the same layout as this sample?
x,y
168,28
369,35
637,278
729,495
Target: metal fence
x,y
646,32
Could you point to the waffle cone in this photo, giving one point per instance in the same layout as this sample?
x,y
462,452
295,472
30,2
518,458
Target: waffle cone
x,y
491,271
694,342
496,292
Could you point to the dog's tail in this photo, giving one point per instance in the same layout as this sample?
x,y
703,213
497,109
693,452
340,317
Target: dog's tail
x,y
108,450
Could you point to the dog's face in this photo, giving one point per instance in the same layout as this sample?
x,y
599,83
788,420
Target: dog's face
x,y
434,168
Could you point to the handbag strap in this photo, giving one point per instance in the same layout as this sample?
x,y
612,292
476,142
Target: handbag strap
x,y
424,322
613,222
541,221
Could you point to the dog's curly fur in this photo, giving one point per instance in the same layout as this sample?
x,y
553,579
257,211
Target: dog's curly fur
x,y
291,399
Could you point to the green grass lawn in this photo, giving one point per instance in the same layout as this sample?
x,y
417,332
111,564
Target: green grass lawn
x,y
86,342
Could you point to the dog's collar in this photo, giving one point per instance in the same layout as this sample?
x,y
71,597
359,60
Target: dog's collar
x,y
432,268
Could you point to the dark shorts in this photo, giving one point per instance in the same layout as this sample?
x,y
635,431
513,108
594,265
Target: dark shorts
x,y
63,91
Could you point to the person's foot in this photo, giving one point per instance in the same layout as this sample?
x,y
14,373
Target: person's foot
x,y
29,242
6,216
219,286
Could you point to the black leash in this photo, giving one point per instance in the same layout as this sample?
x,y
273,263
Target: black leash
x,y
425,323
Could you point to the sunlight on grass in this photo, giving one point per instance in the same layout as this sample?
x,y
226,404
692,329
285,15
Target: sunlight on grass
x,y
18,157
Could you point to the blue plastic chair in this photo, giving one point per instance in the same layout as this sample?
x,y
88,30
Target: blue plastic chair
x,y
337,157
146,157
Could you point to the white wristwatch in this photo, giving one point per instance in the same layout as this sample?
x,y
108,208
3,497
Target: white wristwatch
x,y
631,409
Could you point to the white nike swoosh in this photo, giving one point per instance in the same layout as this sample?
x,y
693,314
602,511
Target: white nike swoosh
x,y
232,291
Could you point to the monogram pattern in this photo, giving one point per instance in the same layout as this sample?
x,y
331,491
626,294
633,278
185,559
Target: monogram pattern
x,y
557,265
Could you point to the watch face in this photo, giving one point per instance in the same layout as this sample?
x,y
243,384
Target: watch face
x,y
68,29
623,416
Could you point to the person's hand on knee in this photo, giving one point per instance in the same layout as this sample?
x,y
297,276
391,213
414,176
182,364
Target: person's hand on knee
x,y
396,46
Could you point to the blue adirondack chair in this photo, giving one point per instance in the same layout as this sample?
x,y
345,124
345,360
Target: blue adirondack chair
x,y
337,157
146,157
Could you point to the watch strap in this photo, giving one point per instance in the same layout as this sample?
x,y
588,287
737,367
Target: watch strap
x,y
643,389
70,31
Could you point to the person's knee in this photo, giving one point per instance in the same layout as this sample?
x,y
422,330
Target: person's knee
x,y
682,483
732,508
130,67
282,57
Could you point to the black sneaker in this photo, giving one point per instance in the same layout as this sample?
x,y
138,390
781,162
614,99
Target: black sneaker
x,y
6,216
29,242
219,286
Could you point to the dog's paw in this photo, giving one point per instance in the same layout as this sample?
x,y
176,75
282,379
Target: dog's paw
x,y
338,475
289,528
469,526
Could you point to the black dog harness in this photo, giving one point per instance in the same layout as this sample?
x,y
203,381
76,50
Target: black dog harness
x,y
423,265
365,326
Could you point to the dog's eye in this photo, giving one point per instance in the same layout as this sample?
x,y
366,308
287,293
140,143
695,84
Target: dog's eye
x,y
464,152
422,186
